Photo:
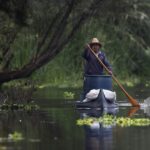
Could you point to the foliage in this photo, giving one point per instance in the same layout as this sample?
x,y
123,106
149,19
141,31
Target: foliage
x,y
68,95
18,96
110,120
26,107
33,33
17,92
58,27
12,137
16,136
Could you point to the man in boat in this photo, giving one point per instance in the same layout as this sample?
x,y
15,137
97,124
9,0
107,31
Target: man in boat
x,y
92,66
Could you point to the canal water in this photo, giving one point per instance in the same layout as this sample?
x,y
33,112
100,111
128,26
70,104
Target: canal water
x,y
58,125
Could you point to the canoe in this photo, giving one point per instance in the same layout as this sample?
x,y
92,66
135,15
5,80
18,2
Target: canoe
x,y
96,82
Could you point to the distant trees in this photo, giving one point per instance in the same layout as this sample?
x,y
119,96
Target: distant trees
x,y
130,25
48,26
136,25
123,28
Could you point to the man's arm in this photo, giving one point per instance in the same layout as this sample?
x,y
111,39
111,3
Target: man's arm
x,y
86,54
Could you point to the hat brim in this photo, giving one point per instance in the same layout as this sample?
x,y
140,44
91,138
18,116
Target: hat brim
x,y
91,44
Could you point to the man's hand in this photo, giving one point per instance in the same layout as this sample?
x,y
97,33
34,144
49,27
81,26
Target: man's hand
x,y
110,72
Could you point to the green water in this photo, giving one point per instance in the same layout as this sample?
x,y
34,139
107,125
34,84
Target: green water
x,y
55,127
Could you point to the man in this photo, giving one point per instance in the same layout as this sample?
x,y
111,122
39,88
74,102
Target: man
x,y
92,65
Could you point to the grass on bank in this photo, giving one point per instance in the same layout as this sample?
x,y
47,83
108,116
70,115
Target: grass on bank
x,y
73,81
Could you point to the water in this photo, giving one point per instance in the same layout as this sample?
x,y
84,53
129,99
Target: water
x,y
55,127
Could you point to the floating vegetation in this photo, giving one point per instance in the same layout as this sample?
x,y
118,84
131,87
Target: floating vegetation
x,y
110,120
12,137
27,107
68,95
16,136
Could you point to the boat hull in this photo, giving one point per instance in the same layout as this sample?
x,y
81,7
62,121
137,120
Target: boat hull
x,y
96,82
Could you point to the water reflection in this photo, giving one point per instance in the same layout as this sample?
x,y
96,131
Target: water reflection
x,y
98,136
28,124
54,127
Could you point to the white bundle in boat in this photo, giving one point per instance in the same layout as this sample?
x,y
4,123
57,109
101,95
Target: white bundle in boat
x,y
93,94
147,102
146,106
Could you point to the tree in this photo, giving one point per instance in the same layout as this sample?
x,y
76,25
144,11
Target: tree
x,y
53,24
63,21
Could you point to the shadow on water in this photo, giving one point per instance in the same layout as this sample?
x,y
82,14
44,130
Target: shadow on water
x,y
55,127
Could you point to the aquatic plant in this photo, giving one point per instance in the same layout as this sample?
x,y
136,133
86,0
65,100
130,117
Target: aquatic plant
x,y
12,137
31,107
110,120
27,107
16,136
68,95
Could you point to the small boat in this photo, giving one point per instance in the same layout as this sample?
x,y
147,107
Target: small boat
x,y
96,82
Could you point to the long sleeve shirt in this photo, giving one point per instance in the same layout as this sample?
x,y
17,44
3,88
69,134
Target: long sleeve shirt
x,y
92,65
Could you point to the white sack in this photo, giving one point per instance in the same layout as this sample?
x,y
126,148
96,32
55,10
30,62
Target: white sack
x,y
93,94
109,94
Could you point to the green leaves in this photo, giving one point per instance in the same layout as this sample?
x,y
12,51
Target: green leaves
x,y
16,136
68,95
122,27
110,120
12,137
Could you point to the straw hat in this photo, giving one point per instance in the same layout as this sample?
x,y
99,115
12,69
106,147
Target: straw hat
x,y
95,41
